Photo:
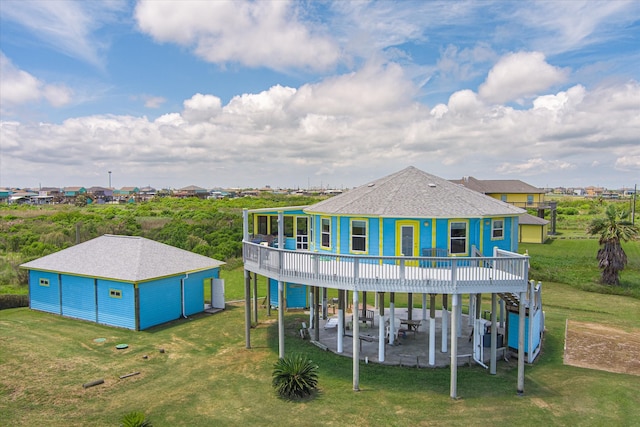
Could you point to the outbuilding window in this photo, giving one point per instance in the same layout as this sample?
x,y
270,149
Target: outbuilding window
x,y
115,293
44,282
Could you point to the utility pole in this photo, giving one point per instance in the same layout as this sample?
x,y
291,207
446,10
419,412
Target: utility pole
x,y
109,180
633,209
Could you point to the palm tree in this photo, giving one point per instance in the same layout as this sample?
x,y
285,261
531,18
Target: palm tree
x,y
613,230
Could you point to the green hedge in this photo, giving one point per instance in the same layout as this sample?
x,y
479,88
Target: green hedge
x,y
13,301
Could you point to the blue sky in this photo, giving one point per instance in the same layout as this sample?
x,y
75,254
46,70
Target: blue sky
x,y
310,93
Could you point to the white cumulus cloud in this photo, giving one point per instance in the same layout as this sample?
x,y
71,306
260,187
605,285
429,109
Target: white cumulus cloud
x,y
19,87
520,75
263,33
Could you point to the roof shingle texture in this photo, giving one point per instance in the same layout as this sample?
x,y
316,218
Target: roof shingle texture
x,y
123,258
412,193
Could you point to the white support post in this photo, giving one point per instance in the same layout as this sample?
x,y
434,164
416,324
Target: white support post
x,y
453,389
432,330
392,322
494,334
521,323
356,343
424,307
340,343
381,323
280,319
432,341
445,324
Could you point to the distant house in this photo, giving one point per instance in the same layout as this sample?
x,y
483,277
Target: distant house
x,y
514,192
147,193
22,197
124,281
192,191
4,195
100,194
71,193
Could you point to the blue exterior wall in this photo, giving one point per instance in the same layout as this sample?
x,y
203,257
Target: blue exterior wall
x,y
78,297
92,299
44,298
295,295
194,290
116,311
160,301
479,234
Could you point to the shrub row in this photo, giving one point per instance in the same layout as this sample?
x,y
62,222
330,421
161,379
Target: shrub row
x,y
13,301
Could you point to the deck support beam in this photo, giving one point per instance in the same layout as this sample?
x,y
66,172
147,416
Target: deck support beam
x,y
356,342
280,320
432,330
247,308
455,320
521,323
445,323
494,334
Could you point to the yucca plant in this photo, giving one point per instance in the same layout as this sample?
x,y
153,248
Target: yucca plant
x,y
295,376
135,419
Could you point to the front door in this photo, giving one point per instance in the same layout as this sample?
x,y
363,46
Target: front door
x,y
407,239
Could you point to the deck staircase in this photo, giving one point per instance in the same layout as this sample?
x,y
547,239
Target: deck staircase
x,y
511,300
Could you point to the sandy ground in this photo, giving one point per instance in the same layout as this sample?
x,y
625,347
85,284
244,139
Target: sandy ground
x,y
595,346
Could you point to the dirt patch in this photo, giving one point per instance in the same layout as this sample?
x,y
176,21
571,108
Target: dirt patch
x,y
595,346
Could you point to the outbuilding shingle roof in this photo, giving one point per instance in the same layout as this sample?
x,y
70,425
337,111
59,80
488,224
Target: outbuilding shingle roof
x,y
123,258
412,193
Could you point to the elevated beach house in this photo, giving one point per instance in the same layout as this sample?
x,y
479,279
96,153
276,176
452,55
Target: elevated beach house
x,y
409,232
125,281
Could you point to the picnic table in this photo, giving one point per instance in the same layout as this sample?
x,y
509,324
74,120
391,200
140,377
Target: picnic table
x,y
411,325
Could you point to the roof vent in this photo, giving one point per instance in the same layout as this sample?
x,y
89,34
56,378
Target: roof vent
x,y
432,185
371,184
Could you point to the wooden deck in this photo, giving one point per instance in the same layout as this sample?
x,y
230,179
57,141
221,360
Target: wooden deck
x,y
507,272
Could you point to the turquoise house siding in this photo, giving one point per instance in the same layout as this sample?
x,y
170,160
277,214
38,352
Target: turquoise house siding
x,y
194,290
160,301
78,297
113,310
295,294
44,298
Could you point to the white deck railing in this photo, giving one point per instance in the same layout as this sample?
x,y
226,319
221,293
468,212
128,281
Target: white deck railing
x,y
506,272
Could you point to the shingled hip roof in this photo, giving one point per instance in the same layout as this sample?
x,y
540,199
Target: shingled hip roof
x,y
123,258
412,193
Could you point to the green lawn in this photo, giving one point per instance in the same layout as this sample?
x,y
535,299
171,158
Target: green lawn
x,y
206,376
574,262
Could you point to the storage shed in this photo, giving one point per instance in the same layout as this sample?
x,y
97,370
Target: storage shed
x,y
124,281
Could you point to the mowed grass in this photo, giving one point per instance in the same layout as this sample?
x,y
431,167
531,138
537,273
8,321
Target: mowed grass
x,y
207,377
575,262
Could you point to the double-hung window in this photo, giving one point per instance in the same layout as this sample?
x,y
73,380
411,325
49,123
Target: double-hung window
x,y
325,230
497,229
458,237
358,235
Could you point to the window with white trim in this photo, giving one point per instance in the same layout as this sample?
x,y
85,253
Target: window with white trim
x,y
325,231
458,237
115,293
44,282
497,229
358,235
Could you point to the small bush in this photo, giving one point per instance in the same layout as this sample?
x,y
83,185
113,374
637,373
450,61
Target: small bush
x,y
135,419
295,377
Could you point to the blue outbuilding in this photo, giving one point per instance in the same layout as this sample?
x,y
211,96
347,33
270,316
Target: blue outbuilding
x,y
125,281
